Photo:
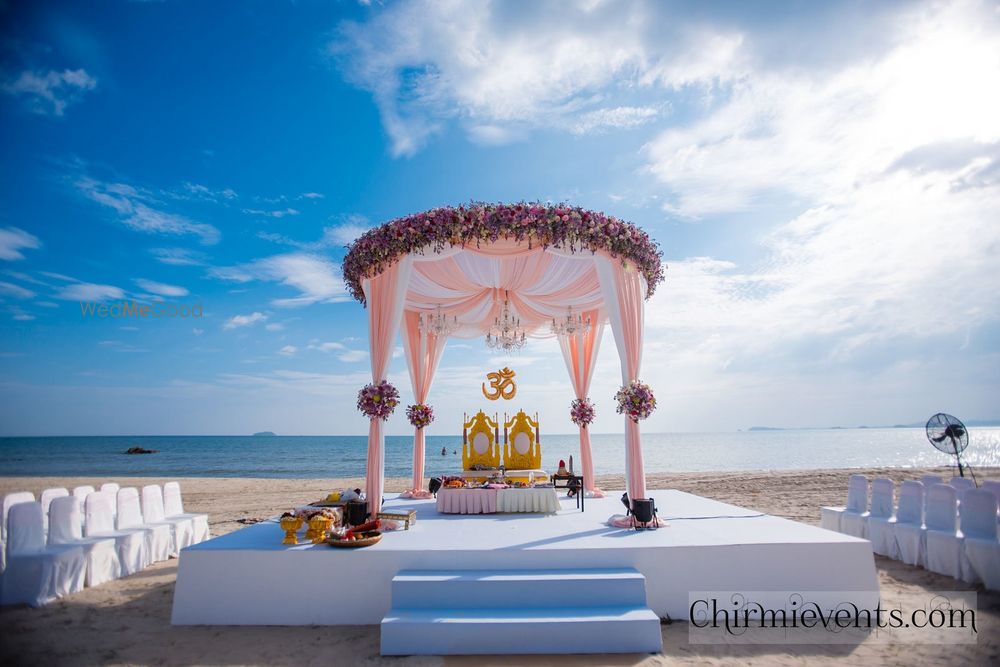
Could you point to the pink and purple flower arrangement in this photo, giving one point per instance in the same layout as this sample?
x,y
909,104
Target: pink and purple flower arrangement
x,y
377,401
636,400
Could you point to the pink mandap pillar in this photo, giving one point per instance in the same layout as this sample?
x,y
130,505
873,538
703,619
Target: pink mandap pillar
x,y
624,292
580,353
423,351
384,294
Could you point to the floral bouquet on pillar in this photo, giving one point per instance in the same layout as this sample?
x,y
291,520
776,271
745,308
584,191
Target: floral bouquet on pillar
x,y
377,401
420,415
581,411
636,400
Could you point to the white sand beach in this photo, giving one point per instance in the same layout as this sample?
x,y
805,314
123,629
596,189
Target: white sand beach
x,y
127,622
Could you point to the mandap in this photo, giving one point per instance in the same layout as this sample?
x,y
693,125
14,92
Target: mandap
x,y
467,263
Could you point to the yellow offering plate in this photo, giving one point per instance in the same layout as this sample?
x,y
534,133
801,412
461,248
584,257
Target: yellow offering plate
x,y
290,524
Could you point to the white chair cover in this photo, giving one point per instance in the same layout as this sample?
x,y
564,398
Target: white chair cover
x,y
928,482
112,488
979,527
909,529
173,505
944,542
854,520
961,485
9,501
37,574
993,486
830,516
100,553
48,495
81,493
881,522
181,528
158,536
131,544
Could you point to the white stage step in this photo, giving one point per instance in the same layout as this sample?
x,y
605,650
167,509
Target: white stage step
x,y
523,611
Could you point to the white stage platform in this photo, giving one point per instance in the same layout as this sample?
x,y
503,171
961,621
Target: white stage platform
x,y
249,578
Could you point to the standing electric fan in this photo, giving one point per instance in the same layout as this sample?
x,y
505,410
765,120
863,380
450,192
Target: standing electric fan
x,y
949,435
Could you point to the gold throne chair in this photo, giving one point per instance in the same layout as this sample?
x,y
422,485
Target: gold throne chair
x,y
522,448
480,446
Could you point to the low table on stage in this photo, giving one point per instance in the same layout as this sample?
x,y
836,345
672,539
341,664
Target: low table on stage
x,y
570,482
487,501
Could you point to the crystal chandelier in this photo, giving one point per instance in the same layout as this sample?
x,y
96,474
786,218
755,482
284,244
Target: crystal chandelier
x,y
438,324
506,333
570,325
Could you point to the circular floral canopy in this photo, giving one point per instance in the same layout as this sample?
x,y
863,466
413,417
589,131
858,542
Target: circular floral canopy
x,y
558,226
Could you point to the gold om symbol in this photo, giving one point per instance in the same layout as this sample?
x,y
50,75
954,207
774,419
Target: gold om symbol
x,y
502,383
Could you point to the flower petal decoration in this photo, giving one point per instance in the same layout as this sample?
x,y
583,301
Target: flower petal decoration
x,y
543,225
420,415
581,411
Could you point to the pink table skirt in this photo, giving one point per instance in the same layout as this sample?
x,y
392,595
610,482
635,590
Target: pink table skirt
x,y
467,501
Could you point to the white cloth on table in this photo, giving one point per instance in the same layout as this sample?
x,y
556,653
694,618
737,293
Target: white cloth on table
x,y
131,544
544,500
979,527
37,574
100,553
158,536
944,553
467,501
181,528
881,519
173,506
909,527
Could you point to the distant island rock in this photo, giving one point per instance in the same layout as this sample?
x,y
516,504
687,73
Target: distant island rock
x,y
264,434
140,450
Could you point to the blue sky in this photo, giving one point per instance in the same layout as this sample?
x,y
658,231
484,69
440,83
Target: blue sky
x,y
823,178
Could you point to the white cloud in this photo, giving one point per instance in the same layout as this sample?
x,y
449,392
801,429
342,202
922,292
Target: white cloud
x,y
197,332
274,326
52,92
316,278
13,240
161,289
617,117
279,213
23,317
16,291
352,356
312,195
139,210
239,321
493,70
326,347
288,350
92,292
179,256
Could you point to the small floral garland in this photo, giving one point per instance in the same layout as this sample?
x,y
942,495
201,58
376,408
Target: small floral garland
x,y
636,400
420,415
561,226
581,411
377,401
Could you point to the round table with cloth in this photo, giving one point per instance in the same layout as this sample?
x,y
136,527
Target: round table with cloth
x,y
544,500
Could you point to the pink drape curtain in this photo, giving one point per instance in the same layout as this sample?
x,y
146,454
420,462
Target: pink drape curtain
x,y
624,292
385,294
580,354
423,351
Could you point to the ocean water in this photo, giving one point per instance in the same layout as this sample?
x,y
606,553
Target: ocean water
x,y
344,456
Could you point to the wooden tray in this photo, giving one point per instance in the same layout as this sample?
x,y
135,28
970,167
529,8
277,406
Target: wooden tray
x,y
354,544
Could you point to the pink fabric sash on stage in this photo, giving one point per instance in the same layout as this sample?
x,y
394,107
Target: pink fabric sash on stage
x,y
423,351
580,353
384,294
